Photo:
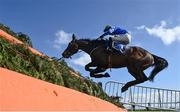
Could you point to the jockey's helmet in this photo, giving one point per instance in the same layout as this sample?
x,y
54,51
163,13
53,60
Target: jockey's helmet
x,y
107,28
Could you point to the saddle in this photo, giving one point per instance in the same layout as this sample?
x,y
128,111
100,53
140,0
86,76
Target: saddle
x,y
116,48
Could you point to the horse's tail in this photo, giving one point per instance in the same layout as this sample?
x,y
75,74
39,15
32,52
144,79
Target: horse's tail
x,y
159,65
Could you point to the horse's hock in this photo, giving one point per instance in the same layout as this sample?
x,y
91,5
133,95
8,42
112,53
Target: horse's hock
x,y
20,92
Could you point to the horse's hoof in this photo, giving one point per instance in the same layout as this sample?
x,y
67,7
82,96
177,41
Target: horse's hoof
x,y
106,75
92,75
123,89
151,79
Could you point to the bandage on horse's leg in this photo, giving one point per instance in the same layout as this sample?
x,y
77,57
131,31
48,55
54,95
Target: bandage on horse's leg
x,y
87,67
94,72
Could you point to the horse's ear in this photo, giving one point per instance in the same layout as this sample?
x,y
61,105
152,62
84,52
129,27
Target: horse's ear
x,y
73,37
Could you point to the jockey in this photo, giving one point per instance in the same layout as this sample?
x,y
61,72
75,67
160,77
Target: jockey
x,y
120,38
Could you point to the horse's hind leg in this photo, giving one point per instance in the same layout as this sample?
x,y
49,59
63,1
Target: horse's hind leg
x,y
139,76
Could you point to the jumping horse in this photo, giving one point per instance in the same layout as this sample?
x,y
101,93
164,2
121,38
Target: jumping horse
x,y
136,59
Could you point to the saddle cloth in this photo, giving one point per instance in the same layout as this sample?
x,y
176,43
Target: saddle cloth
x,y
119,47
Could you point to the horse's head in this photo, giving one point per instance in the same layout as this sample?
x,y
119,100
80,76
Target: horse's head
x,y
72,48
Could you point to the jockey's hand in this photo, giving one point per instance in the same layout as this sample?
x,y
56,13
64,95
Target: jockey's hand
x,y
100,38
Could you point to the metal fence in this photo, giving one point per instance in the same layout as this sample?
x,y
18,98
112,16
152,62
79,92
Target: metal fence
x,y
146,97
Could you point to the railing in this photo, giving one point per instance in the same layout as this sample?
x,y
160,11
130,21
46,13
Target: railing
x,y
146,97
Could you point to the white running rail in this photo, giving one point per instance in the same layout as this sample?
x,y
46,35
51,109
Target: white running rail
x,y
146,97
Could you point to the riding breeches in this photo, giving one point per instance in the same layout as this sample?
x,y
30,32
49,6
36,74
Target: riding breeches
x,y
122,39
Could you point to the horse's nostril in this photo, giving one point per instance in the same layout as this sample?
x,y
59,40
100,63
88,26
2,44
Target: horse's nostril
x,y
65,54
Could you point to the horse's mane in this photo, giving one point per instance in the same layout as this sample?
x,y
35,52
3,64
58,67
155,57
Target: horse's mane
x,y
93,41
86,39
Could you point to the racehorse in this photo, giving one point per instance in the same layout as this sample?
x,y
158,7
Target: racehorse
x,y
136,59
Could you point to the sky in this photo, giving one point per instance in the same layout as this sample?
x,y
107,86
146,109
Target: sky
x,y
153,24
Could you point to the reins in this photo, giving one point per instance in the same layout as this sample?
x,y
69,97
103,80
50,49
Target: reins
x,y
109,62
93,50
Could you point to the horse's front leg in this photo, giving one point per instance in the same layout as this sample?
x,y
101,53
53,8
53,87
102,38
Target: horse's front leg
x,y
94,72
87,67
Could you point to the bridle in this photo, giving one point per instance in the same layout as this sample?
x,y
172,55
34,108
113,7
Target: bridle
x,y
93,50
69,52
